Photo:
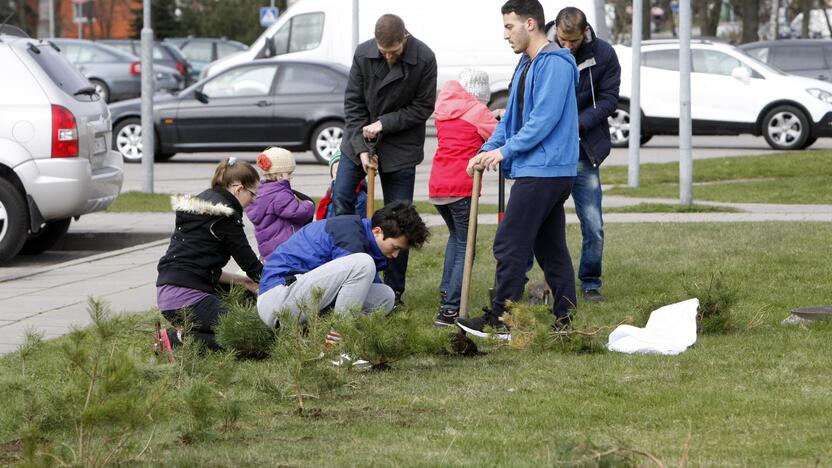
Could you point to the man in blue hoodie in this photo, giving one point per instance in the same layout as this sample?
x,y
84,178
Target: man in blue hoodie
x,y
341,257
537,142
597,95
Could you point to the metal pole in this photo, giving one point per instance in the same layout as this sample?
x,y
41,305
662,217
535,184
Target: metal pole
x,y
147,100
51,18
635,97
354,24
774,21
685,155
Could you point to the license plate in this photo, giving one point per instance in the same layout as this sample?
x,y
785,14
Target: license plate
x,y
100,145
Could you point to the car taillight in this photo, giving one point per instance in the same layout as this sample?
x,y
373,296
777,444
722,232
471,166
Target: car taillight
x,y
180,67
64,133
136,68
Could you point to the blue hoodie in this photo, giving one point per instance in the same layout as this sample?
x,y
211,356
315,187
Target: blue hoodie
x,y
318,243
545,142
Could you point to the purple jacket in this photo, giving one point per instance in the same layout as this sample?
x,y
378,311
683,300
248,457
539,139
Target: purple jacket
x,y
277,214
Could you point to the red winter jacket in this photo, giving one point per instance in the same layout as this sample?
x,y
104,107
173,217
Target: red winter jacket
x,y
463,124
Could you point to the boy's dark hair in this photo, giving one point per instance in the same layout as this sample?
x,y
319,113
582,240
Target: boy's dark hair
x,y
389,30
571,20
526,9
401,218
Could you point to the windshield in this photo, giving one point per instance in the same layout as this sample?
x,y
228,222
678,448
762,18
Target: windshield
x,y
59,70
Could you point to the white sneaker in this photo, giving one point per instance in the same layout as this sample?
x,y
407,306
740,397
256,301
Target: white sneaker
x,y
357,363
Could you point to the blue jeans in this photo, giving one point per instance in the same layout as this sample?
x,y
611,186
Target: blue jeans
x,y
586,193
456,216
396,186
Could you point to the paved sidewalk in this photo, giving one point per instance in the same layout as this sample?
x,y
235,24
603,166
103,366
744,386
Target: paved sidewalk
x,y
53,299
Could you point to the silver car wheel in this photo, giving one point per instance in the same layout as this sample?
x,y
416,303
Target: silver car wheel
x,y
328,141
619,123
4,221
784,128
129,142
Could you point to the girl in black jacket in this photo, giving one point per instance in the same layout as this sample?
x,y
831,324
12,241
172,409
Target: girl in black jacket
x,y
209,231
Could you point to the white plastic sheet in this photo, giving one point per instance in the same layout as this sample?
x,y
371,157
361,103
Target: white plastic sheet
x,y
670,330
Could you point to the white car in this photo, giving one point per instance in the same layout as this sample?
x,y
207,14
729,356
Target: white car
x,y
55,138
731,93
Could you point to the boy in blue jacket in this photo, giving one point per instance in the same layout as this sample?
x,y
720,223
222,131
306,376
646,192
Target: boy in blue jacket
x,y
341,256
537,142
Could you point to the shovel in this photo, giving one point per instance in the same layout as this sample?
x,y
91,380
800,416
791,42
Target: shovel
x,y
371,176
470,244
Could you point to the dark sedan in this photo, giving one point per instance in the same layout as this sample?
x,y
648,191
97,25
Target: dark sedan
x,y
811,58
296,104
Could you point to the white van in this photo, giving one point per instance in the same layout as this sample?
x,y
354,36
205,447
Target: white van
x,y
462,33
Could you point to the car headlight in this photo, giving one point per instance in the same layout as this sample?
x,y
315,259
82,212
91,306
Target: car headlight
x,y
824,96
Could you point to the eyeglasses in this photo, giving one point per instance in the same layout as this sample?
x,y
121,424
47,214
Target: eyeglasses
x,y
250,191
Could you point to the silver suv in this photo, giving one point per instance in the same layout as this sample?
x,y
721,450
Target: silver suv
x,y
55,140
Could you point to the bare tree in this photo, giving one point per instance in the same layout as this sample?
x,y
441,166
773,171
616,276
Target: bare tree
x,y
708,12
806,9
750,12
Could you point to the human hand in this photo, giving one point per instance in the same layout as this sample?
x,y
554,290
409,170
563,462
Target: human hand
x,y
249,284
368,163
371,131
498,113
475,164
488,160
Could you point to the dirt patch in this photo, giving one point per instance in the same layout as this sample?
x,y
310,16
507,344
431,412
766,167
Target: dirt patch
x,y
10,451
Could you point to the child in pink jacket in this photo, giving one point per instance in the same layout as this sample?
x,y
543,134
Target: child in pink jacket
x,y
463,124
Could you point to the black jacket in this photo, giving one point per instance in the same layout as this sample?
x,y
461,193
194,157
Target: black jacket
x,y
597,94
209,231
402,97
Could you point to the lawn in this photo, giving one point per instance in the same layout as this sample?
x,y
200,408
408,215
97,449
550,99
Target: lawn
x,y
789,178
756,394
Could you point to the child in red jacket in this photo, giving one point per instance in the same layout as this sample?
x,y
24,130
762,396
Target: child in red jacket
x,y
463,124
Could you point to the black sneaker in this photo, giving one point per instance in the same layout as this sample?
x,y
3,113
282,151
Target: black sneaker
x,y
593,295
562,326
476,326
399,303
446,318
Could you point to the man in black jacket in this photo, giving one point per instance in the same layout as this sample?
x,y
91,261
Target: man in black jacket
x,y
597,93
389,97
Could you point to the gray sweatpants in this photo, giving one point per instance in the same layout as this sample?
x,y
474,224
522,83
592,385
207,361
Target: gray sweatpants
x,y
347,280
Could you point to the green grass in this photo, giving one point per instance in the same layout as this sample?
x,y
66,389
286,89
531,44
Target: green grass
x,y
789,178
755,396
129,202
669,208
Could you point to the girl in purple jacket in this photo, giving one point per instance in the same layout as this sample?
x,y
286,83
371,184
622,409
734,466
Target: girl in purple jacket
x,y
277,212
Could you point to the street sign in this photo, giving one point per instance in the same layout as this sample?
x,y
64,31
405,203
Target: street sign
x,y
268,16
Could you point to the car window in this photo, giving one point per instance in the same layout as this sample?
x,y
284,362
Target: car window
x,y
305,79
124,47
198,51
302,32
715,63
59,70
224,49
760,54
664,59
246,81
159,54
92,54
798,58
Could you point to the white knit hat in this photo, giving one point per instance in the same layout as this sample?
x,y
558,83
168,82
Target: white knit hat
x,y
276,160
476,83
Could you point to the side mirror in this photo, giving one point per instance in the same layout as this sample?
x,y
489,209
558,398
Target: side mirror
x,y
200,96
742,74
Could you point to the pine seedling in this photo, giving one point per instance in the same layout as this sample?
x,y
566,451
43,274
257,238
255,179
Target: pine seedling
x,y
241,329
202,405
531,331
107,388
385,339
716,299
302,356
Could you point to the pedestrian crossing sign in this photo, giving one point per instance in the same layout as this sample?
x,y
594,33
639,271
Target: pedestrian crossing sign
x,y
268,16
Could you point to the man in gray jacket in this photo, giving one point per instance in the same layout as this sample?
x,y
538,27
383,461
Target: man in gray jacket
x,y
389,97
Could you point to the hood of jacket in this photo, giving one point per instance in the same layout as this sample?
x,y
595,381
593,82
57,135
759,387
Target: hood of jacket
x,y
553,49
453,101
269,195
585,57
212,203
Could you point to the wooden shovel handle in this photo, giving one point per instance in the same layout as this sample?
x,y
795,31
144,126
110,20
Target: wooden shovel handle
x,y
470,244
